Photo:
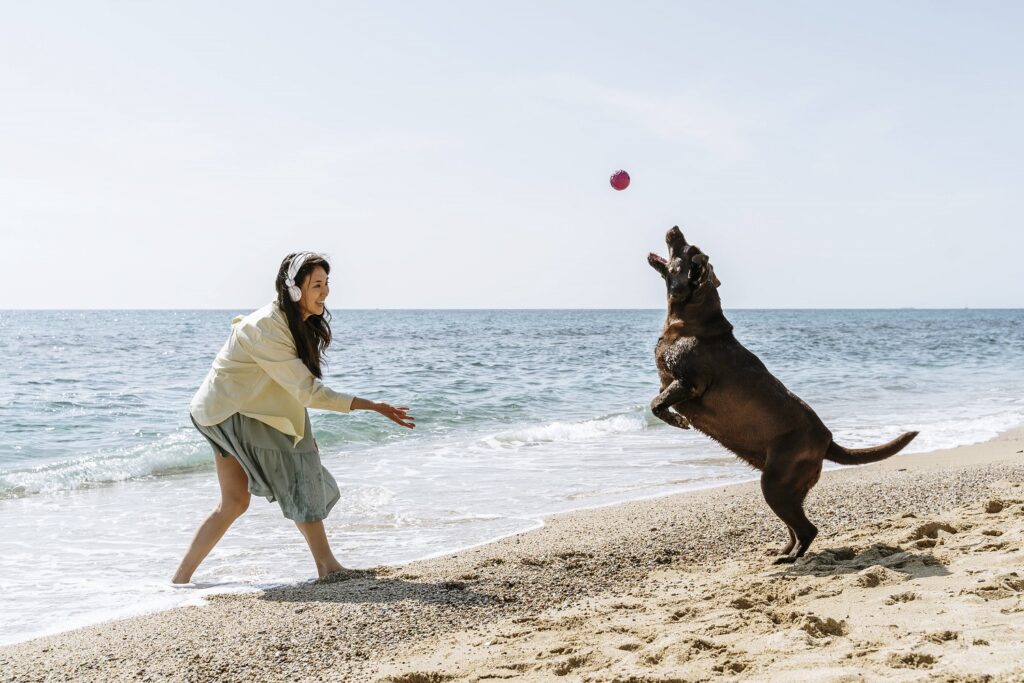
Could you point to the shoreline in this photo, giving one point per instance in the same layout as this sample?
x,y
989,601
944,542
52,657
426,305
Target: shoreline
x,y
541,522
578,556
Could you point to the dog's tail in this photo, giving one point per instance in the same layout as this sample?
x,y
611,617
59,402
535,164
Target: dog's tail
x,y
862,456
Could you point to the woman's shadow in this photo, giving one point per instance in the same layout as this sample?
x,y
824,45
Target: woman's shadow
x,y
375,586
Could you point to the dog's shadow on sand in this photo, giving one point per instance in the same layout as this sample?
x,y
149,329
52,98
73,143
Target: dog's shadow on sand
x,y
845,560
378,587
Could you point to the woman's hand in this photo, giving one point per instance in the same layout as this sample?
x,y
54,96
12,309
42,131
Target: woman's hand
x,y
398,415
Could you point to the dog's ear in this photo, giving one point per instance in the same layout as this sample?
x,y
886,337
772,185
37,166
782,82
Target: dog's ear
x,y
707,271
711,277
658,263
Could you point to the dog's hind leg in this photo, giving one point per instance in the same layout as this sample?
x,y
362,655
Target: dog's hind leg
x,y
788,548
785,489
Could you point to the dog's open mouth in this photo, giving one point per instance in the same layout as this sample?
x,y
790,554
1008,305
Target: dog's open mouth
x,y
686,271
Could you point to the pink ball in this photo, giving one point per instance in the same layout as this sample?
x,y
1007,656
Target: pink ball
x,y
620,180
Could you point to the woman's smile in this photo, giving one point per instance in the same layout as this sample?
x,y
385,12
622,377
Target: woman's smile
x,y
315,290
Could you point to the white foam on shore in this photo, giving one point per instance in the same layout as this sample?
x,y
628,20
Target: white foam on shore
x,y
181,451
569,432
938,430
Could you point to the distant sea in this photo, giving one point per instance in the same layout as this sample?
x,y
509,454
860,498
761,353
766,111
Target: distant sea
x,y
520,414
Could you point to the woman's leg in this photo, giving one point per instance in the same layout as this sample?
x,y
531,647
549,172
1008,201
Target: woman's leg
x,y
234,499
316,539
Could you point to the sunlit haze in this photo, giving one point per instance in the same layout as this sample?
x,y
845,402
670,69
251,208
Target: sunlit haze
x,y
458,154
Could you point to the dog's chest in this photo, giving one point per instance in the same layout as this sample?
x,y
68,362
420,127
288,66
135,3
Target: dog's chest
x,y
674,349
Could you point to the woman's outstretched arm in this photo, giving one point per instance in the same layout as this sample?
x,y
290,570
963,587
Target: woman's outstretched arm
x,y
399,415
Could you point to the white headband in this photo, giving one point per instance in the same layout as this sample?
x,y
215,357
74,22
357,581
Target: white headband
x,y
293,269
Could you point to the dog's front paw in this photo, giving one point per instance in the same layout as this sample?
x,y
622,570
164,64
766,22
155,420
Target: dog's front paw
x,y
679,420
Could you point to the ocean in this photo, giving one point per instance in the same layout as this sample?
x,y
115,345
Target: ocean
x,y
520,414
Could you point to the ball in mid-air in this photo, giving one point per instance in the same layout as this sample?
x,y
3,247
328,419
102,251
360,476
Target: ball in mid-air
x,y
620,180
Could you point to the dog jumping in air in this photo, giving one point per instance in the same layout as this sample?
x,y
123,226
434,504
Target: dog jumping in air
x,y
711,382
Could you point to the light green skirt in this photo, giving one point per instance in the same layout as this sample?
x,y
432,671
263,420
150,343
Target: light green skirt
x,y
277,468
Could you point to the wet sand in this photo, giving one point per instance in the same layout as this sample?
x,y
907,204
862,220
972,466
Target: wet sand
x,y
917,574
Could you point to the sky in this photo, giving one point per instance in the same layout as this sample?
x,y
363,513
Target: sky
x,y
457,154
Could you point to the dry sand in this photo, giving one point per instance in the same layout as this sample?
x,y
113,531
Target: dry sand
x,y
917,574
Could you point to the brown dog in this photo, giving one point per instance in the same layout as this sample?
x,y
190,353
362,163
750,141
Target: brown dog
x,y
710,381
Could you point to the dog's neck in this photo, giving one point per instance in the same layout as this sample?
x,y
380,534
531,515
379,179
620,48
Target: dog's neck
x,y
703,319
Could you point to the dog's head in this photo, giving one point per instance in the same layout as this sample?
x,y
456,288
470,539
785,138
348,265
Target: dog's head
x,y
687,272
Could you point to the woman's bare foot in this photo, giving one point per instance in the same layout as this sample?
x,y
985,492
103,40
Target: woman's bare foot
x,y
340,574
328,568
316,538
177,579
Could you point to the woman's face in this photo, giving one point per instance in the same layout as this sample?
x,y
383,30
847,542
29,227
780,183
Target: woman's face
x,y
315,289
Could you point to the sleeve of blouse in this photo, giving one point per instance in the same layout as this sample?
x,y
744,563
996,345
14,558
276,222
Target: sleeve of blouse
x,y
277,357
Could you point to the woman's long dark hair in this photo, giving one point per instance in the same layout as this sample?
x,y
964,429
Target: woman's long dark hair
x,y
312,335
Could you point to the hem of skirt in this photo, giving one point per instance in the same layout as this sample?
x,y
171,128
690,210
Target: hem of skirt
x,y
269,496
307,519
304,520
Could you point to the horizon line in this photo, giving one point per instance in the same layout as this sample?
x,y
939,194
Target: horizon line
x,y
555,308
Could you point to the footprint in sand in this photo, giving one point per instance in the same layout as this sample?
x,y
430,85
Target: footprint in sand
x,y
816,627
730,668
653,657
1004,586
742,603
991,547
685,614
573,559
1016,609
562,650
897,598
940,637
878,576
931,531
699,646
912,660
873,576
567,666
420,677
508,670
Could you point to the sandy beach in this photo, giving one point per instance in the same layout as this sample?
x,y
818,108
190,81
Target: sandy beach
x,y
917,574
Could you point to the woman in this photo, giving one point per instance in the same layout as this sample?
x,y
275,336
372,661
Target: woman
x,y
252,409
